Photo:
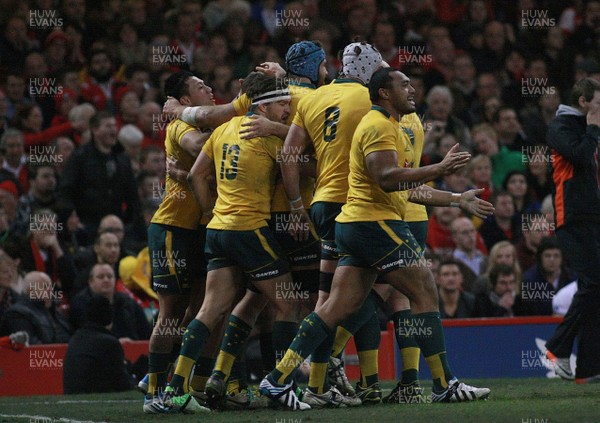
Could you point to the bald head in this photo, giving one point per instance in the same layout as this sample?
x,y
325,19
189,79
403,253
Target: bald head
x,y
464,234
39,288
113,224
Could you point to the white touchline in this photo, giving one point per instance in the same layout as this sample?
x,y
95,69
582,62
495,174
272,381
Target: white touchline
x,y
69,402
44,419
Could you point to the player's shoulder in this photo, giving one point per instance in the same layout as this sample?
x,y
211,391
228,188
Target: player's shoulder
x,y
375,124
300,90
178,127
230,126
377,117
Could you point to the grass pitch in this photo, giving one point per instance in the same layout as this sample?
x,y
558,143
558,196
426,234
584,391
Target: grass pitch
x,y
511,401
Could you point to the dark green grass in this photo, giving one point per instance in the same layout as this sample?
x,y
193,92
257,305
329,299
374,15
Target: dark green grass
x,y
511,401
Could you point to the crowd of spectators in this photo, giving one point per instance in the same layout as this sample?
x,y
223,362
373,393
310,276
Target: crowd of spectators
x,y
82,135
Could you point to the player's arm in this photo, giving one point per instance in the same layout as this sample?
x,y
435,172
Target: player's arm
x,y
273,69
175,170
383,168
193,141
260,126
295,143
200,116
466,201
309,169
198,179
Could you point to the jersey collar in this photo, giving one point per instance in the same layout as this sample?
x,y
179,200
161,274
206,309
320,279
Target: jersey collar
x,y
302,84
384,112
346,81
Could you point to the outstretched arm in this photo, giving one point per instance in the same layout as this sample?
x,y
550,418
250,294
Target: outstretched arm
x,y
383,168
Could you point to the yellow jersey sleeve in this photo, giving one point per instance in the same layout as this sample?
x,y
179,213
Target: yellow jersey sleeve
x,y
411,125
241,104
178,206
208,145
367,201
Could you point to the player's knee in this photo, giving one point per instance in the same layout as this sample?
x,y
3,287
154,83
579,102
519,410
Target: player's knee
x,y
287,309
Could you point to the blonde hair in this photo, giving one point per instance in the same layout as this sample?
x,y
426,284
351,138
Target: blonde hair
x,y
475,161
486,128
494,256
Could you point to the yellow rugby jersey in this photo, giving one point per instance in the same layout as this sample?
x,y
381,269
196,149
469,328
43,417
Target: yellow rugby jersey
x,y
367,202
245,172
178,207
330,115
241,104
307,185
411,125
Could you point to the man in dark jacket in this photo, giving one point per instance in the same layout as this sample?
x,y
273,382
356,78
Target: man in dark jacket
x,y
97,181
574,136
543,280
129,318
36,313
95,361
500,300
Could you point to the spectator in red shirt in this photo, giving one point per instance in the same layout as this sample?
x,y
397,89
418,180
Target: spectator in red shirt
x,y
439,234
64,103
56,46
479,171
152,124
98,84
30,119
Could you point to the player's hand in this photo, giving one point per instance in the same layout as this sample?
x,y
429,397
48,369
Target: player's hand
x,y
172,108
300,224
257,126
471,204
175,170
454,160
271,69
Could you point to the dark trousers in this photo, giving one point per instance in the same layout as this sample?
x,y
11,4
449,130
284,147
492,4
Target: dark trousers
x,y
580,243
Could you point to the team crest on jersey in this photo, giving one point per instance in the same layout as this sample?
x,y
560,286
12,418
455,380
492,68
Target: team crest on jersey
x,y
410,133
408,164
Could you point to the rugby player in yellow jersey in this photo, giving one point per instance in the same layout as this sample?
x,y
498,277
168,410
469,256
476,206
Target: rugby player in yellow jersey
x,y
408,389
175,233
238,238
372,239
305,62
327,119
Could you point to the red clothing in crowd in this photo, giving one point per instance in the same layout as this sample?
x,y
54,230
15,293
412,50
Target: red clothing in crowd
x,y
47,135
440,241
